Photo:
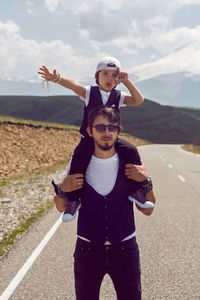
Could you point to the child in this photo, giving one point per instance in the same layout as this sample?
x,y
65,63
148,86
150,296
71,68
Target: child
x,y
107,76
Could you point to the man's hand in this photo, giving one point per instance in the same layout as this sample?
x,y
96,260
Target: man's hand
x,y
71,182
136,172
48,75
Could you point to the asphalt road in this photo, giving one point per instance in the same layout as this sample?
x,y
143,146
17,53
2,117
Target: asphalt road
x,y
169,240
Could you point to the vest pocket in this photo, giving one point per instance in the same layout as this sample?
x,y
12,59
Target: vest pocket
x,y
130,248
82,249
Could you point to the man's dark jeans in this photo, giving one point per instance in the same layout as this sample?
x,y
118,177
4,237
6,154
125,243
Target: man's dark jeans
x,y
121,262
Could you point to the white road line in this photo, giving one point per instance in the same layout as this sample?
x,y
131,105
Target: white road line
x,y
181,178
170,166
164,159
22,272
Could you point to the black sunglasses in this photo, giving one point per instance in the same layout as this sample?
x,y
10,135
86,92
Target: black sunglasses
x,y
102,127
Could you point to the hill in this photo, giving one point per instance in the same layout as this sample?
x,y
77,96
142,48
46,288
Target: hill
x,y
151,121
26,148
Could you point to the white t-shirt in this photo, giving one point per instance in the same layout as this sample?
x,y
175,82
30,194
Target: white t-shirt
x,y
101,174
104,95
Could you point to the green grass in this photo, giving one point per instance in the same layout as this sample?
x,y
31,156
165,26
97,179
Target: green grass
x,y
12,237
7,119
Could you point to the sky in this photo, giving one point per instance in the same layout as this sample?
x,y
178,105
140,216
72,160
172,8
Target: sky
x,y
151,38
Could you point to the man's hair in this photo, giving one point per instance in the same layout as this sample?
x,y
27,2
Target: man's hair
x,y
108,112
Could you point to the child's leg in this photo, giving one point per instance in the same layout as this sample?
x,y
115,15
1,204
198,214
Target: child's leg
x,y
82,155
80,160
130,155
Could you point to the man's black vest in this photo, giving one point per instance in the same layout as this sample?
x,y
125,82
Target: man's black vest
x,y
95,100
107,218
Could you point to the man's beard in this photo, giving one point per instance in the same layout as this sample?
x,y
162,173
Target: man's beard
x,y
104,147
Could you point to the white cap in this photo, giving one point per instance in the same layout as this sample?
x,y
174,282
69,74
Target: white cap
x,y
108,63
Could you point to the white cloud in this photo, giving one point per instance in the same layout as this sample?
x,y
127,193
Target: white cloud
x,y
128,51
176,38
118,23
102,28
51,4
8,28
108,5
21,58
79,6
140,23
131,27
31,8
185,60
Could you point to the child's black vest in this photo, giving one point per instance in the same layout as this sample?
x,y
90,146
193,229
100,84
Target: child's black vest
x,y
107,218
96,101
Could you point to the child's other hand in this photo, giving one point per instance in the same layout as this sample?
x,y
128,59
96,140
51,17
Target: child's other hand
x,y
48,75
123,77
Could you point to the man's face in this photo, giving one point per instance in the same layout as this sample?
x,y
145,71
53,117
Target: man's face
x,y
103,140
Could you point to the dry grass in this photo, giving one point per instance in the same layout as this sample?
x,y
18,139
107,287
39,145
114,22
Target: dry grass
x,y
26,148
192,148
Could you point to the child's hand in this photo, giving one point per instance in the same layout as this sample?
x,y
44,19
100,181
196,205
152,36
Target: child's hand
x,y
48,75
123,77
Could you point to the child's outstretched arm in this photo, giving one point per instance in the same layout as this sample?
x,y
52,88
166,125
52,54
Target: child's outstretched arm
x,y
135,98
68,83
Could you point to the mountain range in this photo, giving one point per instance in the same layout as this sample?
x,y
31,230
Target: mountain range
x,y
176,89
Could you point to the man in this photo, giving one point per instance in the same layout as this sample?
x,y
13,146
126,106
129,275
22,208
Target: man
x,y
106,229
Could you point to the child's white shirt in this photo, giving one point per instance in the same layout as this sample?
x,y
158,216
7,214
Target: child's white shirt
x,y
104,96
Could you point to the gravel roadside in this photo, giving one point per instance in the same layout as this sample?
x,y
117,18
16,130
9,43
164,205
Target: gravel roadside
x,y
23,198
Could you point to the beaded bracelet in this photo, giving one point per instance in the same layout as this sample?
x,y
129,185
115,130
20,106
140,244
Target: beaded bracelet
x,y
58,79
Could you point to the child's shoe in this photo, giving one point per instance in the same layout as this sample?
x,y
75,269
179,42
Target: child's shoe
x,y
139,197
71,209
